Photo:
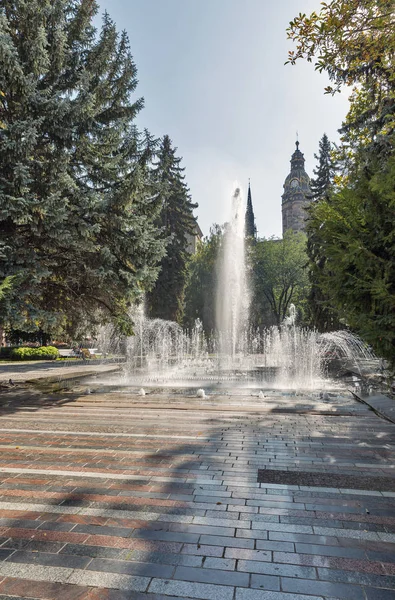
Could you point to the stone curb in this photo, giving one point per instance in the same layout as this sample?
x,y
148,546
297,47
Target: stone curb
x,y
382,405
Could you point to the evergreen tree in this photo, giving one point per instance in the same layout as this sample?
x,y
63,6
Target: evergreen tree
x,y
76,201
323,317
355,233
250,229
202,281
166,299
325,171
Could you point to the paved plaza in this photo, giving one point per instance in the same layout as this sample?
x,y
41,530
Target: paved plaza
x,y
116,496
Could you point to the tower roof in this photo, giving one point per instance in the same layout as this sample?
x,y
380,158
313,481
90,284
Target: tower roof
x,y
250,229
297,159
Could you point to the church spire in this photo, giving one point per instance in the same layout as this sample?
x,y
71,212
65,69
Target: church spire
x,y
250,229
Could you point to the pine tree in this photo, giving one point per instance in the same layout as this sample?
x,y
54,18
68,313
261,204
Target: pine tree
x,y
322,316
250,229
77,207
166,299
324,172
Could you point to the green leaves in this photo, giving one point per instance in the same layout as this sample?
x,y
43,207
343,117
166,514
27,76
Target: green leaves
x,y
352,250
77,221
279,277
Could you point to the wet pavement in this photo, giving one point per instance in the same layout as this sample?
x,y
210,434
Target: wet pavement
x,y
116,496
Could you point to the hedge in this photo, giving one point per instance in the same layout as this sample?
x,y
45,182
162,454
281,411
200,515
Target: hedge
x,y
42,353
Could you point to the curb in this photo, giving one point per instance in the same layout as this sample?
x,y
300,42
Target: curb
x,y
377,409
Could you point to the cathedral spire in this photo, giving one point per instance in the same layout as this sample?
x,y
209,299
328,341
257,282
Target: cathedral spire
x,y
250,229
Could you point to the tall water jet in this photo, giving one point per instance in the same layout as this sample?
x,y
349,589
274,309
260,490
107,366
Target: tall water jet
x,y
232,292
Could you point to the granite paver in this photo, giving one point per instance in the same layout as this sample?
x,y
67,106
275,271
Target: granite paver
x,y
113,496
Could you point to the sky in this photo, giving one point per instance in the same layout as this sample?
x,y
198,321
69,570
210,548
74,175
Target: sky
x,y
213,78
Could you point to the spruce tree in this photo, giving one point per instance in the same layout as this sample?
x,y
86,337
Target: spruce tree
x,y
322,316
166,299
77,208
324,173
250,229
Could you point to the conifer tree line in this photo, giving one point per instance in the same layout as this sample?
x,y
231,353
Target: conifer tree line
x,y
92,210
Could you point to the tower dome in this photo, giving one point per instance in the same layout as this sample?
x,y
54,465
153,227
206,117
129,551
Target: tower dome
x,y
296,194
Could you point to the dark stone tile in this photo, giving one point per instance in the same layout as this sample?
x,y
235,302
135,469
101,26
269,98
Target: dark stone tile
x,y
20,523
56,526
214,576
131,568
377,594
93,551
331,480
322,588
75,502
5,553
304,538
103,530
166,536
330,551
357,577
33,545
388,557
265,582
49,559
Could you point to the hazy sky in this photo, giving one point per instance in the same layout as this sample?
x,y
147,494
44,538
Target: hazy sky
x,y
213,77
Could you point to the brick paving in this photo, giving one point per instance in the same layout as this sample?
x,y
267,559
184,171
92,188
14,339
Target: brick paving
x,y
114,496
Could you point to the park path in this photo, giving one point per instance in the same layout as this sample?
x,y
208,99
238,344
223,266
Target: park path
x,y
30,371
115,497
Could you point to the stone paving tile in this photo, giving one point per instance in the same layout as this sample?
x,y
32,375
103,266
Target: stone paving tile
x,y
244,594
379,594
265,582
130,568
266,568
232,542
324,588
203,550
216,576
162,493
202,591
226,564
49,559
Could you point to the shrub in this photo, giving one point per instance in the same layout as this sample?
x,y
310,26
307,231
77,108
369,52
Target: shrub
x,y
42,353
6,351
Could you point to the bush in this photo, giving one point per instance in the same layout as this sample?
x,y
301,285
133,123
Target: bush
x,y
6,351
42,353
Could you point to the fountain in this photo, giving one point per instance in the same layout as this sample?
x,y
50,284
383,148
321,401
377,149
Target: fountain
x,y
162,354
232,294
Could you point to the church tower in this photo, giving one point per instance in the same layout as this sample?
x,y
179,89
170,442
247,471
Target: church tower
x,y
296,192
250,229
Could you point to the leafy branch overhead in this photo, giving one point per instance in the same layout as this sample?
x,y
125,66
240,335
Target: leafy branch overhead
x,y
354,43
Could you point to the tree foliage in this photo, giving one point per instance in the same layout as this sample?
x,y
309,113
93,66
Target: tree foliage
x,y
354,43
351,231
202,281
356,234
166,299
322,316
279,277
321,184
76,197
